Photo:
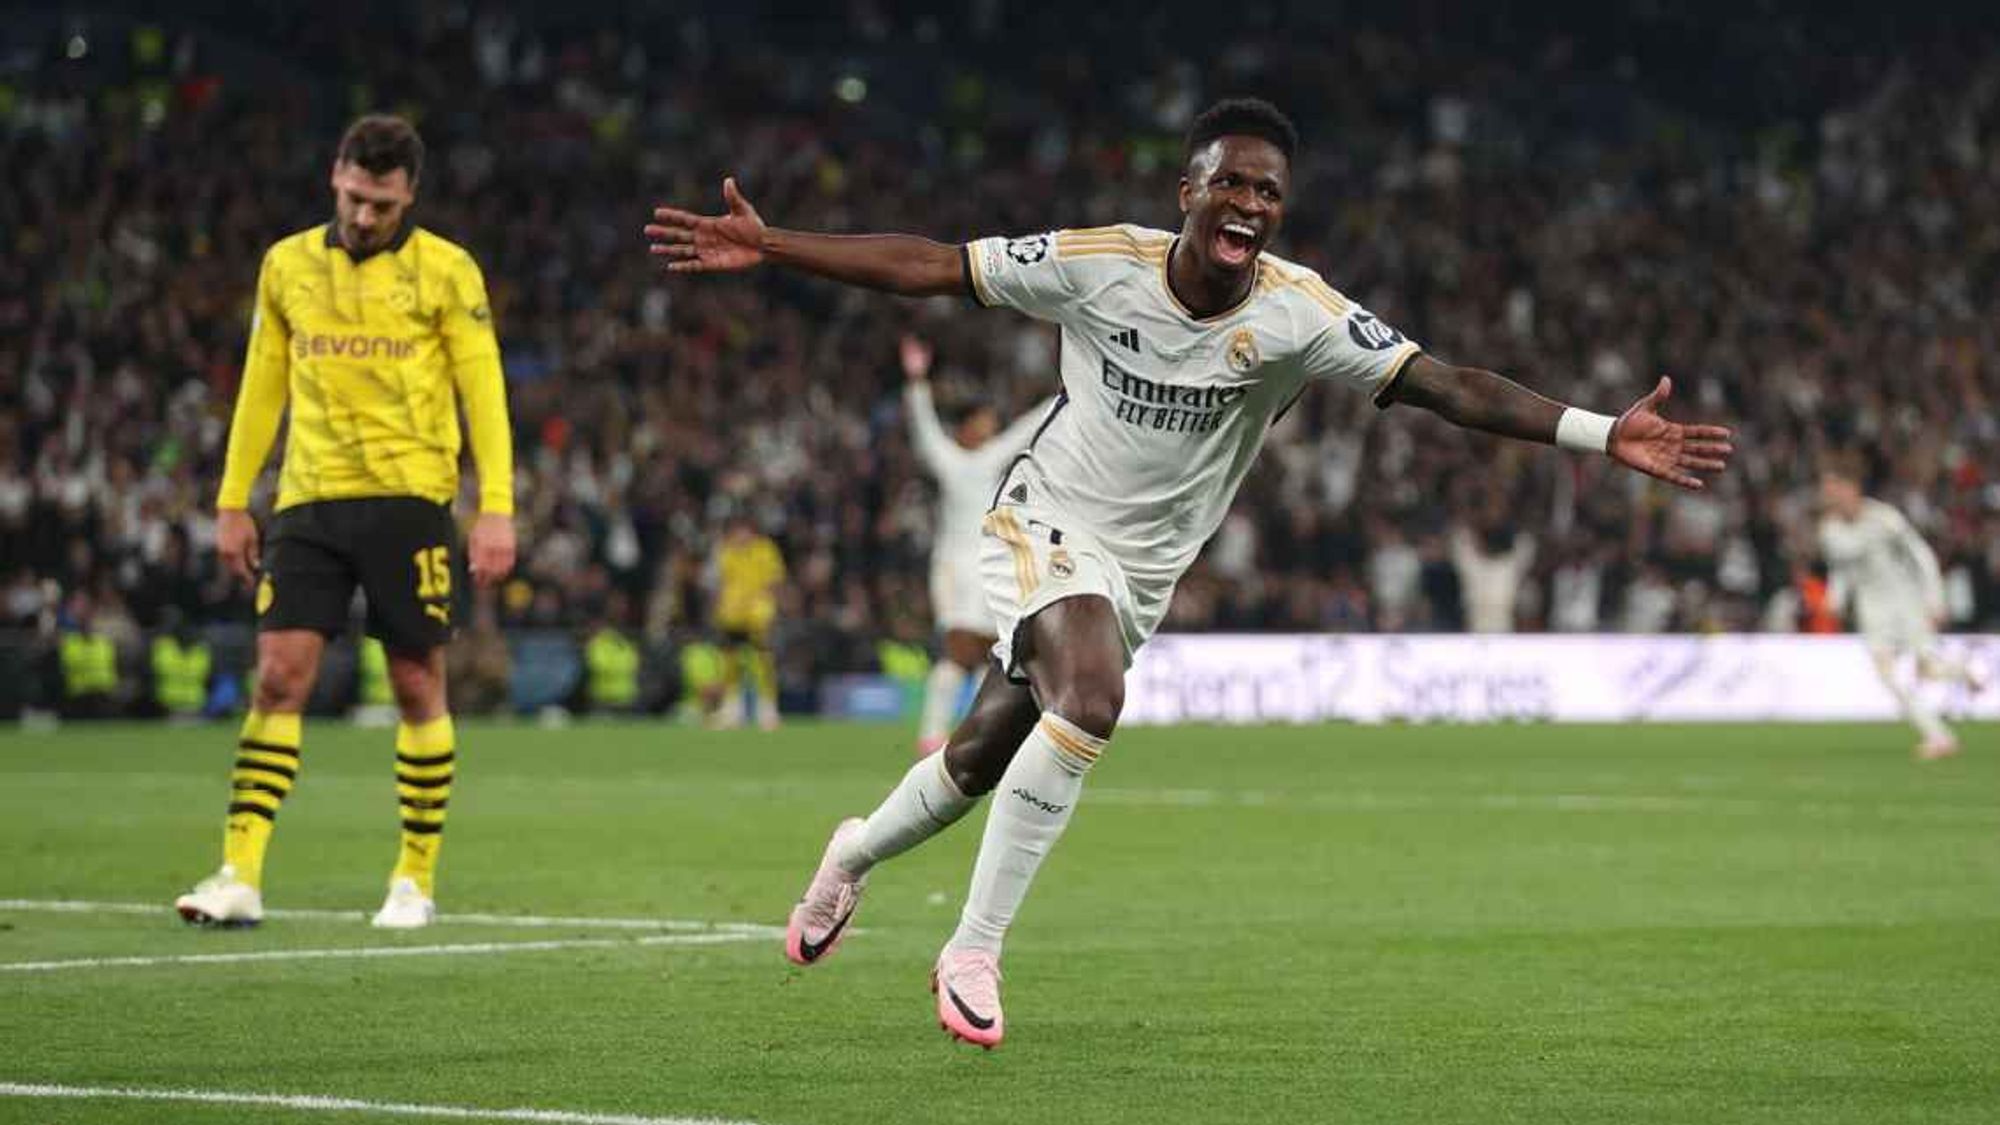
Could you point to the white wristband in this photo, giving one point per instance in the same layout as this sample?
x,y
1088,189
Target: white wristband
x,y
1580,429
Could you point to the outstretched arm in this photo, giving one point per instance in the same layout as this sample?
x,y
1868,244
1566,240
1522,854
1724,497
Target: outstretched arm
x,y
1639,438
740,240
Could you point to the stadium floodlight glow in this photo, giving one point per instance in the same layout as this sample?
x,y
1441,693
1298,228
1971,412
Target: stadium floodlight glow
x,y
851,89
77,47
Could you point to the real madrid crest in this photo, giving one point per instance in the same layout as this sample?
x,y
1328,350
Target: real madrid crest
x,y
1242,351
1061,566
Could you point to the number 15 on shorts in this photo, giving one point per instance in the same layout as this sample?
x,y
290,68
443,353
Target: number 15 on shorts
x,y
434,580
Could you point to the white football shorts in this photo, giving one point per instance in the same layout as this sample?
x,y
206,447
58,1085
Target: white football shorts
x,y
1893,625
1032,557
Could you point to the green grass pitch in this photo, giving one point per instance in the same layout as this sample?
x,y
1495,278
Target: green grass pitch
x,y
1406,924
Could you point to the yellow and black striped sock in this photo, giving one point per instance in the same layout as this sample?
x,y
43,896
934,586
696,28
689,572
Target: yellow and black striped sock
x,y
423,785
267,765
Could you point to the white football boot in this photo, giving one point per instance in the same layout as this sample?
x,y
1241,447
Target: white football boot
x,y
406,908
221,900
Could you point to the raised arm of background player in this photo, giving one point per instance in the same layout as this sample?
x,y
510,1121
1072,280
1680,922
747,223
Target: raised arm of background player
x,y
939,451
934,447
1471,397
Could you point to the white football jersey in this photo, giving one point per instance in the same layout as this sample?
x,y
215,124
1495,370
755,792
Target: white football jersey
x,y
1880,562
966,478
1162,412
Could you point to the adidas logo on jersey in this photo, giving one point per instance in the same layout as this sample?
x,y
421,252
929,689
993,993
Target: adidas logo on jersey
x,y
1126,337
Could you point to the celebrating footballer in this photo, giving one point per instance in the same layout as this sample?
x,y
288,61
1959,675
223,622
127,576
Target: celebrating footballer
x,y
1179,350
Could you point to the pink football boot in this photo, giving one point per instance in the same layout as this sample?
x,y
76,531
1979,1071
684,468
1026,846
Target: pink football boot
x,y
1931,749
820,919
967,984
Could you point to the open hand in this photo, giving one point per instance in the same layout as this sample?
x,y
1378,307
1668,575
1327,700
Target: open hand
x,y
694,243
236,542
916,353
492,549
1643,440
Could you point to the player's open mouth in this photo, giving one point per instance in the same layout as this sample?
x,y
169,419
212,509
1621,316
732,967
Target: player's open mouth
x,y
1235,244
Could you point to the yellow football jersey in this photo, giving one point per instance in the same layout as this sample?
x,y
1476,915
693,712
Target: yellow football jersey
x,y
373,358
748,573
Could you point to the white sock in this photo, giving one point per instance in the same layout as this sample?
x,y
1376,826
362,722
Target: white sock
x,y
1920,713
941,690
1030,809
922,805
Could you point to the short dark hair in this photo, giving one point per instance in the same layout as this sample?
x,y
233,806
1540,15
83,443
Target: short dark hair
x,y
381,143
1846,464
963,410
1243,117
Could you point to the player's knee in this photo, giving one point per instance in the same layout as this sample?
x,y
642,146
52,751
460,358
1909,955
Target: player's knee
x,y
972,773
1093,703
418,688
978,754
284,681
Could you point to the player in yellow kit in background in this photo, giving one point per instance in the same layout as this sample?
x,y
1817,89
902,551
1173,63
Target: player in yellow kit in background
x,y
372,334
749,570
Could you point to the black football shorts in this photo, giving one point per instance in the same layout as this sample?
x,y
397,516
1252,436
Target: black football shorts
x,y
401,551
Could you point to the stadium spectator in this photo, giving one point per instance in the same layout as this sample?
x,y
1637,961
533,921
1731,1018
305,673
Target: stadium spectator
x,y
611,662
88,661
1491,569
179,665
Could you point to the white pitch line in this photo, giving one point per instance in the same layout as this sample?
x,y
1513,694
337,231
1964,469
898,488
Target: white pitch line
x,y
324,1104
464,949
1361,801
524,921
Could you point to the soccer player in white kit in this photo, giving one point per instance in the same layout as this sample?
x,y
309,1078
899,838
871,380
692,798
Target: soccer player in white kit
x,y
1879,565
967,463
1179,352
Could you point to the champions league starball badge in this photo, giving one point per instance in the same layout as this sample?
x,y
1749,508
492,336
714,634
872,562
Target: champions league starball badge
x,y
1029,249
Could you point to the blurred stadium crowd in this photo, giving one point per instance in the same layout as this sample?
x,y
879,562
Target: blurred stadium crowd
x,y
1801,223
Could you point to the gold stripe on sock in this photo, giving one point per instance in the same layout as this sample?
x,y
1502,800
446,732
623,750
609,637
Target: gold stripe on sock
x,y
1069,744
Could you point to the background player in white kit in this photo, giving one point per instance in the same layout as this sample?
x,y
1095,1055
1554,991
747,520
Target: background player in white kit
x,y
967,463
1178,354
1884,578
